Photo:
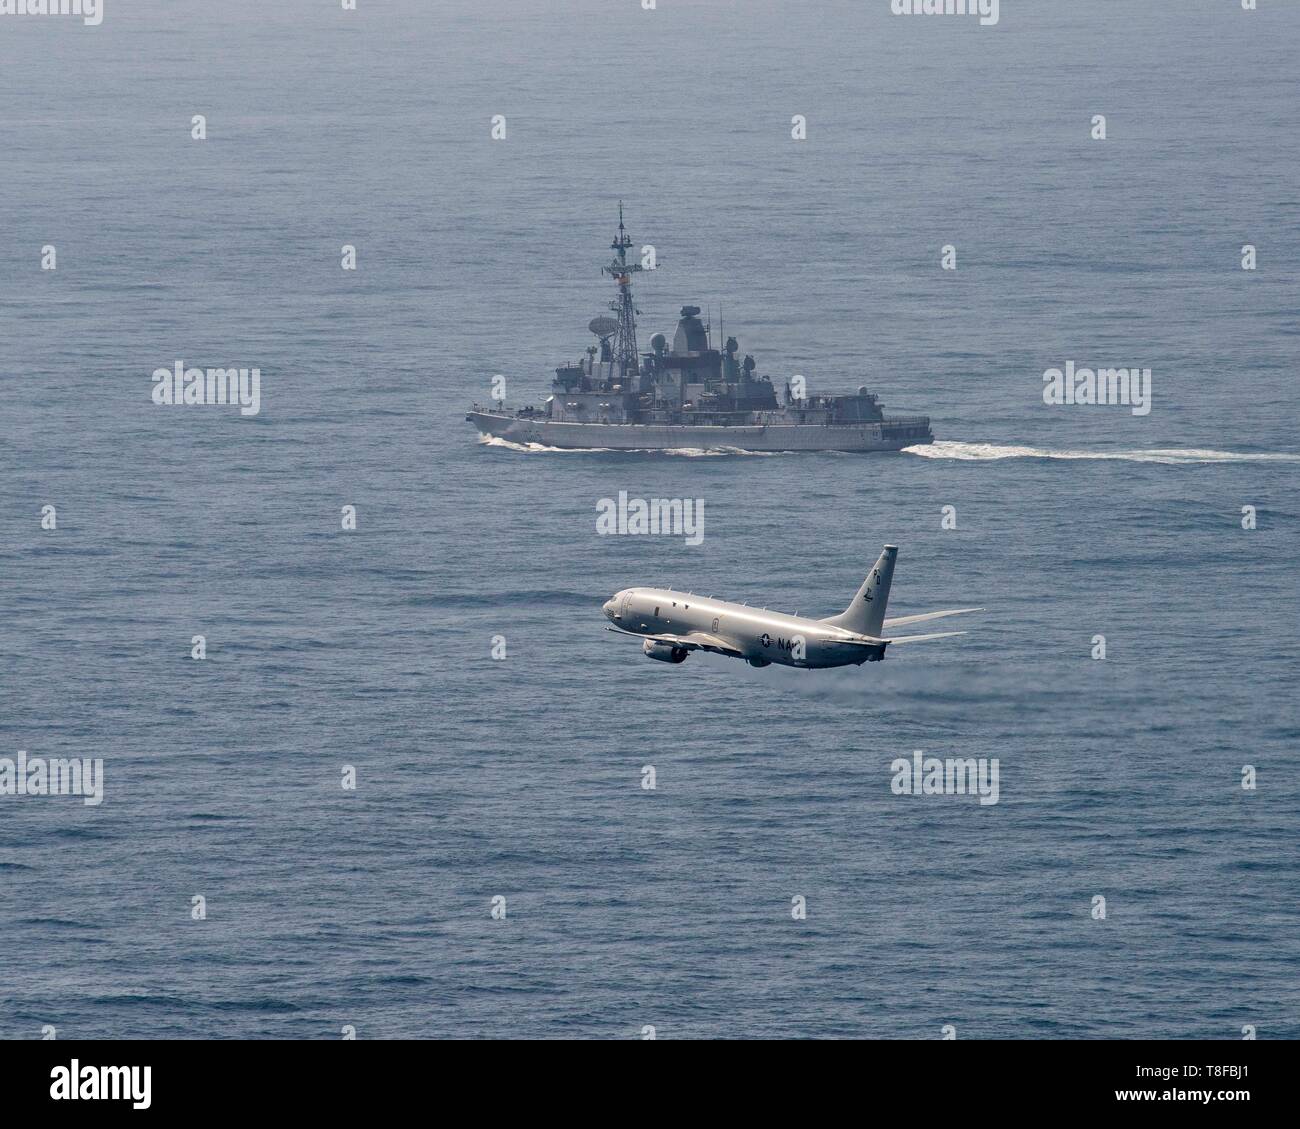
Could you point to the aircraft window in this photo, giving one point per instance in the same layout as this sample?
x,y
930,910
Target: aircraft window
x,y
656,613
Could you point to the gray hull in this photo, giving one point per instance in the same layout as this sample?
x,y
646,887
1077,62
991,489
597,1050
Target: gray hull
x,y
667,437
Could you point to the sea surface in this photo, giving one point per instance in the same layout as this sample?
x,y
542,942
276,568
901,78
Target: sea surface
x,y
521,778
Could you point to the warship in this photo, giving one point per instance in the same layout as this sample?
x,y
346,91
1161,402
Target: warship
x,y
689,396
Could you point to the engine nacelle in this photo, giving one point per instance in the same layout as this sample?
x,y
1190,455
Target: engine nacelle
x,y
664,652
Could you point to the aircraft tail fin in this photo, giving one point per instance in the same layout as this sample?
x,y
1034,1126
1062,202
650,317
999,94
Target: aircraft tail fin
x,y
866,614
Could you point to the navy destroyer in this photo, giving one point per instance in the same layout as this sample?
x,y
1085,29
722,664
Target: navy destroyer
x,y
687,396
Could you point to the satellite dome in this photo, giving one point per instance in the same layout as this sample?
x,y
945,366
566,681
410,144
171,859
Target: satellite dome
x,y
659,343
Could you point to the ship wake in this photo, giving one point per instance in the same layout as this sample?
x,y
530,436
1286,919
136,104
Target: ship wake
x,y
537,448
976,452
680,452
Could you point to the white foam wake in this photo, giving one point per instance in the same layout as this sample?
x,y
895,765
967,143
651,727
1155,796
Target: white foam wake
x,y
497,441
683,452
950,449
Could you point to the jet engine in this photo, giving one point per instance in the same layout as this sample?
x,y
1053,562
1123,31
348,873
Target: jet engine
x,y
664,652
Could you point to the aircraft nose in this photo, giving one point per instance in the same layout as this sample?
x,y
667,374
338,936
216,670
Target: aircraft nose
x,y
610,607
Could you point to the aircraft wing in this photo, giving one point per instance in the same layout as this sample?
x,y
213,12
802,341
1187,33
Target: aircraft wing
x,y
691,641
903,620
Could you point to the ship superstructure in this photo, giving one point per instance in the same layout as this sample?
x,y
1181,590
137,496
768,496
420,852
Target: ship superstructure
x,y
687,395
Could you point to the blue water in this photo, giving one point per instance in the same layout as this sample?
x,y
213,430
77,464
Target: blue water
x,y
521,778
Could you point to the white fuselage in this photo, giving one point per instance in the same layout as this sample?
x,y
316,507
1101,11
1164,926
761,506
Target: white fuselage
x,y
760,636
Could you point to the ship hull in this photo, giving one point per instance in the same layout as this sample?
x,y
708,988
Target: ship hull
x,y
864,437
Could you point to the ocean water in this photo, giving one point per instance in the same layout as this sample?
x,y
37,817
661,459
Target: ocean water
x,y
521,778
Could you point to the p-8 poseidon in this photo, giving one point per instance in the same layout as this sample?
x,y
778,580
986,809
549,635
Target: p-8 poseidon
x,y
673,624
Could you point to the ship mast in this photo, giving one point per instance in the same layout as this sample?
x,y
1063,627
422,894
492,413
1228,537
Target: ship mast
x,y
621,271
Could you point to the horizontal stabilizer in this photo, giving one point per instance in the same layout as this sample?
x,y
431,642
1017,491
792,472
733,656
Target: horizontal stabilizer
x,y
904,620
920,638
